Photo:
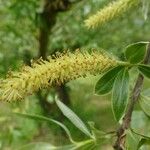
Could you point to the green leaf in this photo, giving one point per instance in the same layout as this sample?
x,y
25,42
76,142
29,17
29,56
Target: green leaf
x,y
145,101
42,118
139,134
131,141
120,93
145,104
145,70
105,83
46,146
73,118
146,92
135,53
84,144
38,145
143,141
67,147
140,123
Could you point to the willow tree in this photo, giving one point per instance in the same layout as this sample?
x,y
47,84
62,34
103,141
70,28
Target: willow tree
x,y
115,78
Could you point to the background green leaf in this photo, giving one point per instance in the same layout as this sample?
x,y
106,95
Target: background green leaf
x,y
146,92
120,93
135,53
105,83
145,70
140,123
145,104
132,140
42,118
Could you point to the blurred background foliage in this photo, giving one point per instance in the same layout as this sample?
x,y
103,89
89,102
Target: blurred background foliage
x,y
19,42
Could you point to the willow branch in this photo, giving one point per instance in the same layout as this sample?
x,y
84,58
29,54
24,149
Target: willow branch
x,y
119,145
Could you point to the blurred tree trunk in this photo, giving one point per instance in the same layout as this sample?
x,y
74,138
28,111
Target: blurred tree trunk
x,y
27,57
47,21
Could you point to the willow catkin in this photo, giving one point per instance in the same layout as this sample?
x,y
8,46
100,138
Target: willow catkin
x,y
45,73
109,12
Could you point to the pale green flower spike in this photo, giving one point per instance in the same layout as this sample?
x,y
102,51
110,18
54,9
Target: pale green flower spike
x,y
109,12
63,68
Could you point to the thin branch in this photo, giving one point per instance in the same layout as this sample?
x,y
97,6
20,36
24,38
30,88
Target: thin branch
x,y
119,144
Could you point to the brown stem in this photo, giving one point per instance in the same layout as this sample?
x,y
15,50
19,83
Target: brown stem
x,y
63,94
119,144
48,20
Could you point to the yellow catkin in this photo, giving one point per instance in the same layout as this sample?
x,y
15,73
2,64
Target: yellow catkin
x,y
45,73
109,12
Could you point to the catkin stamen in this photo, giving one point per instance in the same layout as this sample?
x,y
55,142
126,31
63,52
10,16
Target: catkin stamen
x,y
45,73
109,12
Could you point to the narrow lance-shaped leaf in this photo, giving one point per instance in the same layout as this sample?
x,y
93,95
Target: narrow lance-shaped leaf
x,y
120,93
46,146
145,70
73,118
42,118
105,83
135,53
37,145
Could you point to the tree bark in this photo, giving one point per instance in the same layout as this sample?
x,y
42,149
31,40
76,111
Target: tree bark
x,y
48,20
